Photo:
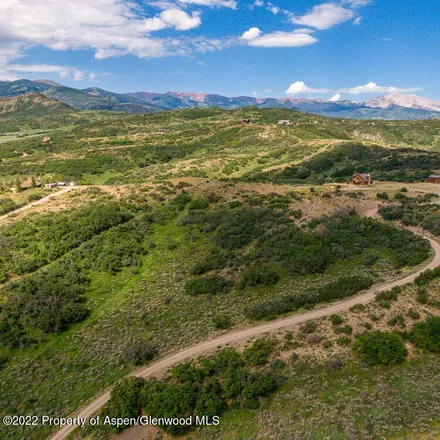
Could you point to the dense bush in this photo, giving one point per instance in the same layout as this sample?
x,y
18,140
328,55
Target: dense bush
x,y
342,288
380,348
264,275
203,388
426,334
44,302
427,276
139,352
207,285
259,351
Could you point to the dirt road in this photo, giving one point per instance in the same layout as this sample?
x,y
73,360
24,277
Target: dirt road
x,y
38,202
205,347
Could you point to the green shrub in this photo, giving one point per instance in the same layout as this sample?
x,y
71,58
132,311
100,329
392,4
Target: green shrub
x,y
413,314
397,320
139,352
426,334
198,204
343,341
336,319
427,276
259,352
263,275
269,309
347,329
382,196
380,348
389,295
222,322
423,297
207,285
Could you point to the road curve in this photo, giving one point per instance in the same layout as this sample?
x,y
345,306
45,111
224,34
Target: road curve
x,y
38,202
201,348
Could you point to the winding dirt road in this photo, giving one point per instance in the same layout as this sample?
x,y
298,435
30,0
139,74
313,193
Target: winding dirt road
x,y
38,202
205,347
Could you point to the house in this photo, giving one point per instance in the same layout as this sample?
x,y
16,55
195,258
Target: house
x,y
433,178
46,140
361,179
58,184
27,184
284,122
245,121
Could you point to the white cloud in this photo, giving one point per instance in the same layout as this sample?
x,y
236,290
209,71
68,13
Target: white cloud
x,y
232,4
374,88
324,16
180,20
254,37
251,34
357,20
299,88
259,3
62,71
109,27
358,3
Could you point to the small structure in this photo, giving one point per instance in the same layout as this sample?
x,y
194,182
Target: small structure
x,y
27,184
163,130
59,184
284,122
46,140
361,179
245,121
433,178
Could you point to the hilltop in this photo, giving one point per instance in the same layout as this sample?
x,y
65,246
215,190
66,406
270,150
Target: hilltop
x,y
31,105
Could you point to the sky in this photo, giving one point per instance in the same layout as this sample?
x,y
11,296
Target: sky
x,y
345,49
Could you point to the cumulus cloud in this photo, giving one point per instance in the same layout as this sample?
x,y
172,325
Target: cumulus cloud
x,y
372,87
251,34
299,88
324,16
109,27
180,20
335,98
254,37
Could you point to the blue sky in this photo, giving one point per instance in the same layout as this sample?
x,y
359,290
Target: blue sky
x,y
346,49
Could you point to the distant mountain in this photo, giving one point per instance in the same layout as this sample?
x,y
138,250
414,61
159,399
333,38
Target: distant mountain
x,y
87,99
403,100
31,105
21,87
391,107
421,108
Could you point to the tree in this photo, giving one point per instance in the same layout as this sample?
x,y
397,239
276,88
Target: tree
x,y
426,334
380,348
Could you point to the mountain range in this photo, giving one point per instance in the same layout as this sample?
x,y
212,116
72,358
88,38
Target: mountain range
x,y
395,106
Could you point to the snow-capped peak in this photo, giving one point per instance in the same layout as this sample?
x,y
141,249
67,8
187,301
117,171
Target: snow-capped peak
x,y
404,100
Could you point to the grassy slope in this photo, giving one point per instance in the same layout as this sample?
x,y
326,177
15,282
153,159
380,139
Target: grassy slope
x,y
140,303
